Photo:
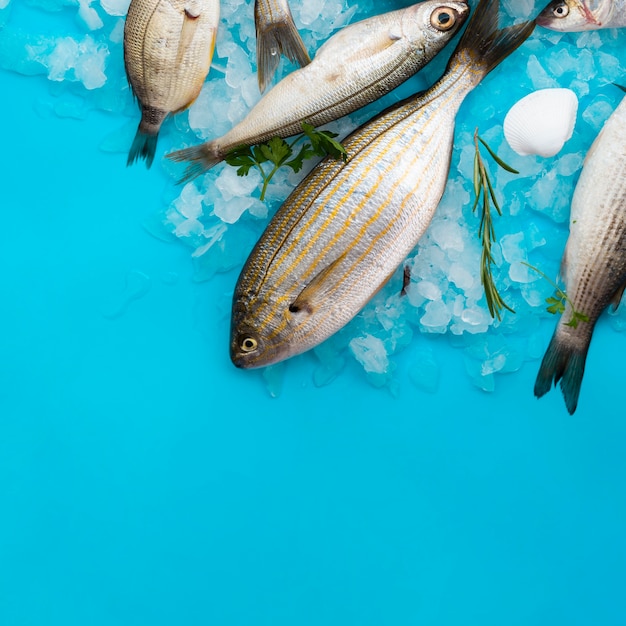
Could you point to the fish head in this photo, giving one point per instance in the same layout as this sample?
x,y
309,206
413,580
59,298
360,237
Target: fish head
x,y
259,335
568,16
432,24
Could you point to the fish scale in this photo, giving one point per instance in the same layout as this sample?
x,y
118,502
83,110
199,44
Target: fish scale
x,y
347,227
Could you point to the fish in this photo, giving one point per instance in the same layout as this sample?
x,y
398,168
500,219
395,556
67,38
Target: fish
x,y
594,262
357,65
580,15
276,34
168,48
345,229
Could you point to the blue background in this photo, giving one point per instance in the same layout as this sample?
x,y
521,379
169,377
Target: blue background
x,y
144,480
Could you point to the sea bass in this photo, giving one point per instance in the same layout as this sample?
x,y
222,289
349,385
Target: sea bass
x,y
276,34
579,15
168,46
357,65
594,263
347,226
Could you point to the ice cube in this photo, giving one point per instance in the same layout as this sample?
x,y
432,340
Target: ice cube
x,y
370,352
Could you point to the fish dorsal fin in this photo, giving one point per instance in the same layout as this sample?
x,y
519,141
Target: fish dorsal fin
x,y
617,298
313,294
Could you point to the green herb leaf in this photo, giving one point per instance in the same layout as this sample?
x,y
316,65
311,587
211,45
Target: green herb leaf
x,y
557,302
497,159
280,153
323,143
486,229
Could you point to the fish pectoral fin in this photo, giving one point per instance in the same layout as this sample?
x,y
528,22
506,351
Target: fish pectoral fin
x,y
193,9
617,298
313,294
188,29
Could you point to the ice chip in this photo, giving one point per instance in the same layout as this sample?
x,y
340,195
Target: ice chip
x,y
428,290
370,352
89,15
436,317
118,8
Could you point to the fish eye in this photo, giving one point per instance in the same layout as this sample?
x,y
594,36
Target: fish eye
x,y
561,10
443,18
248,344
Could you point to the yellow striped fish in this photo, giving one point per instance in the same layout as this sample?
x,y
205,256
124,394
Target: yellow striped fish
x,y
345,229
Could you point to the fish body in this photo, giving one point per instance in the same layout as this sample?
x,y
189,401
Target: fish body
x,y
276,34
594,262
580,15
357,65
347,227
168,47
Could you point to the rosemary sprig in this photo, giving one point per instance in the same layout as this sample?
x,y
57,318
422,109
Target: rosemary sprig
x,y
556,303
483,188
277,152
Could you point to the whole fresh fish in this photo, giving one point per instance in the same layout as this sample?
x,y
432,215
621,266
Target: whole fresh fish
x,y
594,263
579,15
344,230
359,64
276,34
168,46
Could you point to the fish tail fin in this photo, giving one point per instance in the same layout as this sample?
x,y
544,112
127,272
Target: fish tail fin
x,y
145,142
566,363
485,43
143,147
200,158
273,39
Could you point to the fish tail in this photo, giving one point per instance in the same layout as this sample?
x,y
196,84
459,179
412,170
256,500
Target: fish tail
x,y
566,363
273,39
485,43
145,142
143,147
200,158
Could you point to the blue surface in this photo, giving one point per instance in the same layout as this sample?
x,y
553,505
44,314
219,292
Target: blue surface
x,y
144,480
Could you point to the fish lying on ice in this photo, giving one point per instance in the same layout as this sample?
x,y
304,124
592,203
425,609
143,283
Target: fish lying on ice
x,y
347,226
594,263
276,34
579,15
168,46
357,65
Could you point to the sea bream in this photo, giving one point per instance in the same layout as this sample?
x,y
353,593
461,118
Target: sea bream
x,y
579,15
594,262
346,227
168,47
276,34
357,65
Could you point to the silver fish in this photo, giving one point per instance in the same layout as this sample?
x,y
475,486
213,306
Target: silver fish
x,y
168,47
276,34
359,64
345,229
594,263
579,15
